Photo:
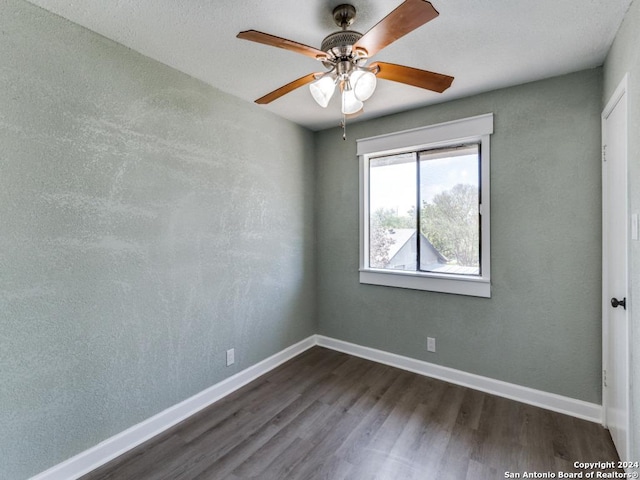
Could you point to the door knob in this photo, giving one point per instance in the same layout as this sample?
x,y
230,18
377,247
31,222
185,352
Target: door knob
x,y
615,303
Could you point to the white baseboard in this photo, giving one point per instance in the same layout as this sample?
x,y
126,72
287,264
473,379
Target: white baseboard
x,y
538,398
115,446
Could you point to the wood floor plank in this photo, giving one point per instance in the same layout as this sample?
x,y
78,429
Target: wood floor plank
x,y
406,448
251,425
141,462
311,450
210,419
328,415
471,409
358,441
354,426
478,471
284,441
454,463
380,450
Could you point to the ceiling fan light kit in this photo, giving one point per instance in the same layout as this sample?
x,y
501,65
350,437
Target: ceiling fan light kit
x,y
345,53
357,85
350,104
364,84
322,90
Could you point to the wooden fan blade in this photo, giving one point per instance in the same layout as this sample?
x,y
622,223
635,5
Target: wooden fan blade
x,y
289,87
436,82
410,15
272,40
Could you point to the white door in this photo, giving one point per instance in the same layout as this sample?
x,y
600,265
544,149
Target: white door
x,y
614,289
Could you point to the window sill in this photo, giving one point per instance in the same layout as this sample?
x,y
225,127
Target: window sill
x,y
472,286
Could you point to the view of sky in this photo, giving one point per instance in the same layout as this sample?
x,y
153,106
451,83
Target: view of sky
x,y
393,185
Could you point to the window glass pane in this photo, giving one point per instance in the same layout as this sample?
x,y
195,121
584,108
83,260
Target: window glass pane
x,y
449,213
392,212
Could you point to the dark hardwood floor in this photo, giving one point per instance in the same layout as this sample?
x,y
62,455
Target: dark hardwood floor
x,y
328,415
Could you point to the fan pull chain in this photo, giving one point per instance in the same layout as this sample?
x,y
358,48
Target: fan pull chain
x,y
343,124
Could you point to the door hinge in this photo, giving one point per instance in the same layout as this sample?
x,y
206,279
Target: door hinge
x,y
604,377
604,153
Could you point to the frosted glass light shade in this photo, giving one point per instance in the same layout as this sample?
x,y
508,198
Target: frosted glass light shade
x,y
364,84
350,104
322,90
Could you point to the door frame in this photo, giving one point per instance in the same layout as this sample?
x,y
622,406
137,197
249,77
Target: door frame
x,y
620,94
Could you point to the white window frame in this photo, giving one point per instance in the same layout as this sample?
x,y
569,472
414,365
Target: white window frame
x,y
468,130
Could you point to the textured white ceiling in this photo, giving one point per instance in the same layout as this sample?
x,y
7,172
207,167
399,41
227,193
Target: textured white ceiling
x,y
484,44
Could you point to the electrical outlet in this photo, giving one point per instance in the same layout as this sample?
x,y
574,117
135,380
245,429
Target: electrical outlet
x,y
231,354
431,344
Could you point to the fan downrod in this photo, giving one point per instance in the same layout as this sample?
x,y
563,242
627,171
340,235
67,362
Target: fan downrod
x,y
344,15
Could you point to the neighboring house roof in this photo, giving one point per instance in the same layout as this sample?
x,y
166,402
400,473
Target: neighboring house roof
x,y
405,237
400,237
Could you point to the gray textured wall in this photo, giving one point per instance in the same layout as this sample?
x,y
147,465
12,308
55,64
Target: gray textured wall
x,y
624,57
542,326
148,222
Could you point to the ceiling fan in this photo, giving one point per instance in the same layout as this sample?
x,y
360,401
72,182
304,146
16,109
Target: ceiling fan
x,y
344,54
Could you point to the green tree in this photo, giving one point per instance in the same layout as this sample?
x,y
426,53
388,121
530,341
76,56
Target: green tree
x,y
380,242
381,223
450,222
389,218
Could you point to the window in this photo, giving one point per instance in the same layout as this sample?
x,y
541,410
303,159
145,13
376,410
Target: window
x,y
424,216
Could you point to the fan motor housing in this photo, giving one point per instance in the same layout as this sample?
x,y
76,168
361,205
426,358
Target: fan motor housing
x,y
339,44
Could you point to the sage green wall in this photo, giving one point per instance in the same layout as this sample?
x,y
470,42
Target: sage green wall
x,y
148,223
541,328
624,57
